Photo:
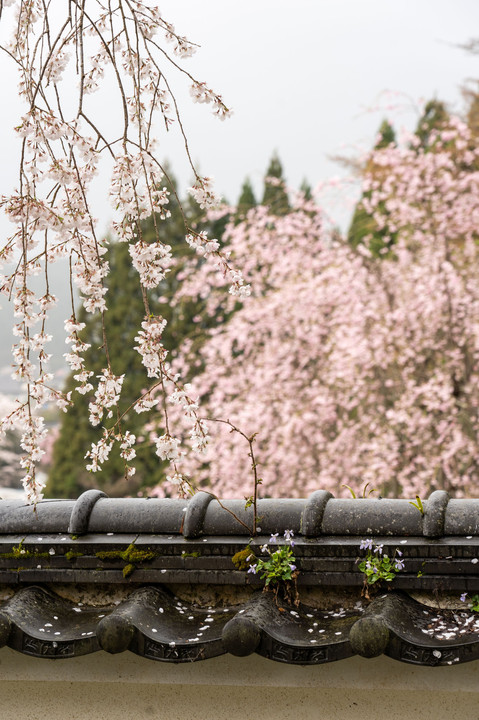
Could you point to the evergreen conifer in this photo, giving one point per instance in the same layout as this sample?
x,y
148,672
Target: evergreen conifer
x,y
434,116
247,200
362,224
275,196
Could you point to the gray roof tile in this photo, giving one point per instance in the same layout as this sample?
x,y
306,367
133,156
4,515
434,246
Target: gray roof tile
x,y
141,545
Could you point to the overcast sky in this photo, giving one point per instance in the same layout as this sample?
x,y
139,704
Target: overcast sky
x,y
302,78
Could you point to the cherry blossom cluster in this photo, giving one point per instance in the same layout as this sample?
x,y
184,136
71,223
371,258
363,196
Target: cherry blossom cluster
x,y
201,93
135,190
182,46
65,141
150,347
167,447
151,260
74,358
199,431
204,246
203,193
107,395
99,453
128,452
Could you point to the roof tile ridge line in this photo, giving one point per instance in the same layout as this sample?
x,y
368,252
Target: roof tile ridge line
x,y
313,512
80,517
435,514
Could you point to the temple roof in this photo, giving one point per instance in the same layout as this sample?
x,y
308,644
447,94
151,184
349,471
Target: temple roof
x,y
143,567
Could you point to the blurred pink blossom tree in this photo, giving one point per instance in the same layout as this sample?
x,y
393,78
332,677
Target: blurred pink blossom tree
x,y
352,367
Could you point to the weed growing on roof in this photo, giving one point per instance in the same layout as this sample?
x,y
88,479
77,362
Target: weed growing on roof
x,y
377,566
278,567
365,493
418,504
473,601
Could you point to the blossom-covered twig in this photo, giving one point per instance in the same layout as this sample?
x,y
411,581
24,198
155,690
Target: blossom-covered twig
x,y
63,146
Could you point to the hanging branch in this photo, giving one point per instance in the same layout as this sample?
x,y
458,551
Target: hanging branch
x,y
81,47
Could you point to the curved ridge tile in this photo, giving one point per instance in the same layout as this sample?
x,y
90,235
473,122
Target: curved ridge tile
x,y
195,514
313,513
435,514
419,634
166,628
80,517
45,625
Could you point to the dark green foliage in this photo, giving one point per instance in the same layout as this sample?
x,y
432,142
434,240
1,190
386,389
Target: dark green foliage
x,y
305,188
246,201
435,115
275,196
472,117
387,135
362,224
277,566
68,475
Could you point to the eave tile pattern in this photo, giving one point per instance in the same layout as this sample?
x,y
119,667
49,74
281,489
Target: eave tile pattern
x,y
155,624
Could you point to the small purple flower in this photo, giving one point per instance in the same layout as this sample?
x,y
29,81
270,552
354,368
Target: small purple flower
x,y
366,544
293,567
252,568
398,552
274,538
264,548
463,597
379,549
399,564
288,535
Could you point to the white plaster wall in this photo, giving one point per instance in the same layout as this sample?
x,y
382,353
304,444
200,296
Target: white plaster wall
x,y
126,687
